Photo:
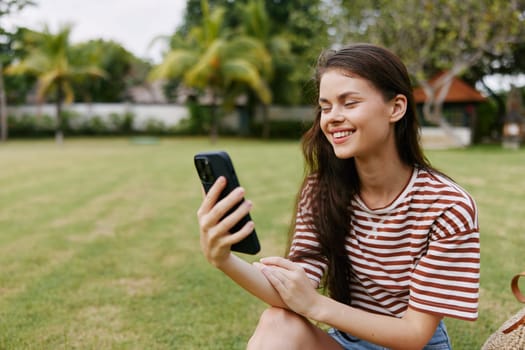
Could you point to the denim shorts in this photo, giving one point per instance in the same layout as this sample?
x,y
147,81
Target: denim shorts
x,y
439,341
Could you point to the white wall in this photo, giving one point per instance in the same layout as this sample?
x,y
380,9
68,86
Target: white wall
x,y
169,114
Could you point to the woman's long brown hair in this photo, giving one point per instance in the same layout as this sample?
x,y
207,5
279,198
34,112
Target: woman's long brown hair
x,y
336,180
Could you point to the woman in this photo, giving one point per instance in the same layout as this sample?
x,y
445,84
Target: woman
x,y
395,242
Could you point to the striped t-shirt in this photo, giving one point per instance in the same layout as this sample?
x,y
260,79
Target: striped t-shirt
x,y
421,251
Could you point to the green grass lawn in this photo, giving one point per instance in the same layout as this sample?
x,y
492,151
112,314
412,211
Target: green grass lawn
x,y
99,244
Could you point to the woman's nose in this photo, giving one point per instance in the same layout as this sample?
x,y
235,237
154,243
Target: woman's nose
x,y
336,116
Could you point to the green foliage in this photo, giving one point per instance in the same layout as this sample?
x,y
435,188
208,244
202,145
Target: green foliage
x,y
432,36
75,124
54,64
293,32
199,122
214,62
217,61
16,87
283,129
427,40
119,65
488,126
52,61
31,126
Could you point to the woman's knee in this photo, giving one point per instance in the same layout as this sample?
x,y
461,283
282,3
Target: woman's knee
x,y
275,318
278,327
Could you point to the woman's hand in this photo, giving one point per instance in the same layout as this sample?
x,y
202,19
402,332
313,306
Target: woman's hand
x,y
215,238
289,279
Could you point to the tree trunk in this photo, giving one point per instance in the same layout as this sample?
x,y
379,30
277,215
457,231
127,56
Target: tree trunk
x,y
59,131
3,107
266,122
497,126
433,107
214,129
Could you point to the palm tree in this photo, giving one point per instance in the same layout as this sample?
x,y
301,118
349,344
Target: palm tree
x,y
216,62
50,60
257,24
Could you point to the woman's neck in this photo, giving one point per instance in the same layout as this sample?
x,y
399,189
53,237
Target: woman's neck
x,y
382,181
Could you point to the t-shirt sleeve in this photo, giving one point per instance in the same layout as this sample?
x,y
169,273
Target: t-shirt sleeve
x,y
305,248
446,280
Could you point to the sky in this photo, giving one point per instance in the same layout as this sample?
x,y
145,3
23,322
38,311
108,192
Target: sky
x,y
131,23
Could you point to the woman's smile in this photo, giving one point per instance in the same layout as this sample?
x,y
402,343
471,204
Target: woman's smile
x,y
339,137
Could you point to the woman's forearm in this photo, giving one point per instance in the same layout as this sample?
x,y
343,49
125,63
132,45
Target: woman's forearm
x,y
252,279
412,331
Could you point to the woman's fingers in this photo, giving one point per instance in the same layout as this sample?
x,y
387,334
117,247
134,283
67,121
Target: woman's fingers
x,y
212,196
217,217
280,262
271,275
213,210
240,235
235,216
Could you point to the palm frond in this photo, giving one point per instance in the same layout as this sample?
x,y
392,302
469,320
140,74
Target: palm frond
x,y
45,83
251,50
69,95
174,65
208,66
242,71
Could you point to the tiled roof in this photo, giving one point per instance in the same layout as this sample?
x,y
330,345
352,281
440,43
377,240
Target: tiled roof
x,y
460,92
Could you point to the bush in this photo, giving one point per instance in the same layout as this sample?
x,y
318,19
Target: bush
x,y
75,124
283,129
487,124
27,125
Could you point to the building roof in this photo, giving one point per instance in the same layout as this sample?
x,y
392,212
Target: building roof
x,y
459,92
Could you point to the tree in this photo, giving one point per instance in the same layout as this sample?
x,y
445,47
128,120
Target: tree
x,y
449,36
51,60
506,63
301,23
257,24
112,58
7,7
213,61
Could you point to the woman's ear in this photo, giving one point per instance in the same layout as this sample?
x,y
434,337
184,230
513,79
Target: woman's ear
x,y
399,107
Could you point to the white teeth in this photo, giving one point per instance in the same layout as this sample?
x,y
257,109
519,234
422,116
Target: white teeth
x,y
342,133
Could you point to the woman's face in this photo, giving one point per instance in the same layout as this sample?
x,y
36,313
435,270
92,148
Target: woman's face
x,y
354,116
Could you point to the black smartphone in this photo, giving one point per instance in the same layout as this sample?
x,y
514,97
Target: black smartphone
x,y
211,165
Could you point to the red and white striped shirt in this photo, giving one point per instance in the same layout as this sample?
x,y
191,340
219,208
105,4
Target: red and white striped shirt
x,y
421,251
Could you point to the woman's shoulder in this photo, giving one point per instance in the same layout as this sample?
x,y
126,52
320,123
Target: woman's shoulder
x,y
433,182
440,191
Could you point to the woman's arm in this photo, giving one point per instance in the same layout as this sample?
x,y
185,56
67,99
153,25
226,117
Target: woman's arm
x,y
216,241
251,279
412,331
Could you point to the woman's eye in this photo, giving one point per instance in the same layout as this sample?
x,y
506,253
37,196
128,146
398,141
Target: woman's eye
x,y
350,103
325,109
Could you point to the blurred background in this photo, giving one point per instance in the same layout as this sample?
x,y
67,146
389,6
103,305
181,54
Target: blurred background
x,y
244,68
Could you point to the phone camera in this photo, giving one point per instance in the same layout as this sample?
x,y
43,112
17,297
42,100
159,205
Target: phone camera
x,y
204,170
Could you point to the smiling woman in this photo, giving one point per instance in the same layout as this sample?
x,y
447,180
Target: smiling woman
x,y
375,224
